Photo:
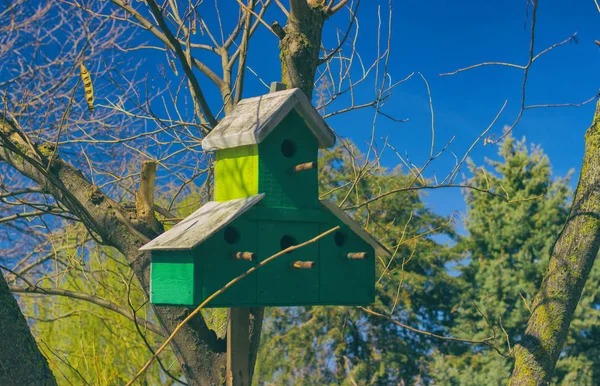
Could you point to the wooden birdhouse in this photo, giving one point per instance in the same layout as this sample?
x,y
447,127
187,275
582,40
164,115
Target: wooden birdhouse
x,y
265,200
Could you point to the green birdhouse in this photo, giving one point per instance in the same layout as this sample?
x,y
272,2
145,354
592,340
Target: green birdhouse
x,y
266,200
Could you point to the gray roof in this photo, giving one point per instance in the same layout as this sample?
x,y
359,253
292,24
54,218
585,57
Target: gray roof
x,y
202,224
214,216
350,223
253,119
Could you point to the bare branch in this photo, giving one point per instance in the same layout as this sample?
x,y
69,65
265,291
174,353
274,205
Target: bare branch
x,y
90,299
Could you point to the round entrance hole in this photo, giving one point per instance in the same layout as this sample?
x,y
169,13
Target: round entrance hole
x,y
231,235
340,238
288,148
286,242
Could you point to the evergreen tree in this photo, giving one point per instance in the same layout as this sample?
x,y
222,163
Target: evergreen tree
x,y
342,345
505,255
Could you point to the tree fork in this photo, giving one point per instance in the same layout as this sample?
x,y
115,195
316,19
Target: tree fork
x,y
570,264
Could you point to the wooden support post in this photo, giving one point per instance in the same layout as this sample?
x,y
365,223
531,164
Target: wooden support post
x,y
238,328
238,350
277,86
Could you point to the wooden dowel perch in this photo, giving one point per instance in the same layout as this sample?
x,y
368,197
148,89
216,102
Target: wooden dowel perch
x,y
304,264
357,255
305,166
249,256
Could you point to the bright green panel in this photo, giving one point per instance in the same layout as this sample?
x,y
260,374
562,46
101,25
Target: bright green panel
x,y
344,281
278,282
172,278
282,187
236,173
219,266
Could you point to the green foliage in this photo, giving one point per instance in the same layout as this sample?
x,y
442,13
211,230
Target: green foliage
x,y
85,343
505,255
342,345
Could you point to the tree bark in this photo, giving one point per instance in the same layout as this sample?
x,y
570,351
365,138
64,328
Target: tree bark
x,y
570,264
21,362
199,351
300,47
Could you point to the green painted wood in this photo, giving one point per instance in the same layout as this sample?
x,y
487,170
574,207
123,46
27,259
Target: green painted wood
x,y
283,187
173,276
236,172
219,266
345,281
278,282
288,214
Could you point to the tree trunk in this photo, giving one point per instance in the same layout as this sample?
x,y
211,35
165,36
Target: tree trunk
x,y
300,47
570,264
21,362
200,352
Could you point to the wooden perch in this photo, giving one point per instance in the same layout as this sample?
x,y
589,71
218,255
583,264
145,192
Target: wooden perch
x,y
357,255
249,256
305,166
144,197
304,264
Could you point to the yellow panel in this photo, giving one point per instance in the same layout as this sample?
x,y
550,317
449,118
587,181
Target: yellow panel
x,y
236,173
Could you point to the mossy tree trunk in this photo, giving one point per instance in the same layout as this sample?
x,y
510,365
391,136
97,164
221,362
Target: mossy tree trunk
x,y
301,45
21,362
570,264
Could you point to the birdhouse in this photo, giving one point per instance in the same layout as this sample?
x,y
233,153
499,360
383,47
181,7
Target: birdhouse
x,y
266,200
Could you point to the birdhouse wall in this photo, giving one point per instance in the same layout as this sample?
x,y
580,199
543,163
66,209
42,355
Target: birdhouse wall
x,y
291,143
188,278
279,283
219,265
236,172
344,280
173,278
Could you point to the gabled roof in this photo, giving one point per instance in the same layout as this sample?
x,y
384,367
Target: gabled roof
x,y
350,223
202,224
253,119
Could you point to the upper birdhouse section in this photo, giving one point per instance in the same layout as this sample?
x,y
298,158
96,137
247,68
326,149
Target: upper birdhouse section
x,y
269,144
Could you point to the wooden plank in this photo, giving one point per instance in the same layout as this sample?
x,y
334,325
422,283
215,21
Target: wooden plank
x,y
238,354
253,119
201,224
289,214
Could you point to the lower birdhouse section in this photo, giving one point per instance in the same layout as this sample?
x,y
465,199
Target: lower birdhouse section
x,y
338,269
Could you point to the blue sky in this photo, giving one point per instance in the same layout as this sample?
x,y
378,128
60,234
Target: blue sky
x,y
433,37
